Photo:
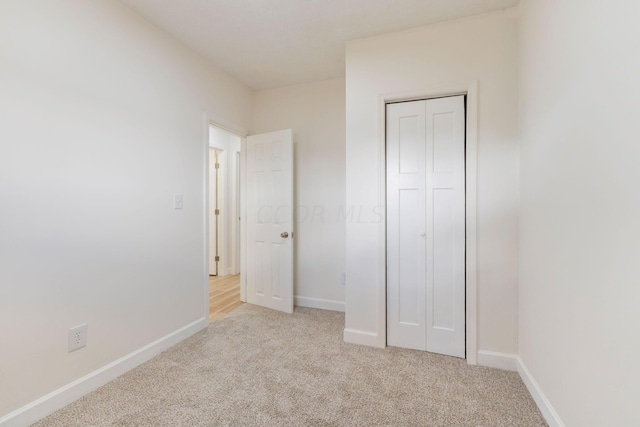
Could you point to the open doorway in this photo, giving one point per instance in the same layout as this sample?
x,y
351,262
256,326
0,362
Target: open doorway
x,y
224,222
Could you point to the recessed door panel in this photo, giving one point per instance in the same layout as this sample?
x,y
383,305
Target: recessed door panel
x,y
259,266
442,300
410,247
409,133
444,159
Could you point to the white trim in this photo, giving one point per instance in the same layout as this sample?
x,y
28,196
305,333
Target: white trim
x,y
470,89
324,304
471,174
243,219
371,339
548,412
63,396
381,323
493,359
205,213
226,126
513,362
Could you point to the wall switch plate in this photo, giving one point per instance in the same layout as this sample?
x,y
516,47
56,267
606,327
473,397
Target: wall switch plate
x,y
77,337
177,201
343,279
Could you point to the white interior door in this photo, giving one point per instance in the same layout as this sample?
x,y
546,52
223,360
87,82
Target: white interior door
x,y
426,225
269,209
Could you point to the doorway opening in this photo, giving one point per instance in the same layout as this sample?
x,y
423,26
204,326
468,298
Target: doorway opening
x,y
223,215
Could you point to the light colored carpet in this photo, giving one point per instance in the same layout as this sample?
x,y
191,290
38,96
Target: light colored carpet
x,y
257,367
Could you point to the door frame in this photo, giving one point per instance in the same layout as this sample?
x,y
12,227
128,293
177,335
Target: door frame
x,y
470,89
208,121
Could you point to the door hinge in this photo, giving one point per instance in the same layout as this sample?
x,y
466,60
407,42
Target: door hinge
x,y
217,258
217,211
217,165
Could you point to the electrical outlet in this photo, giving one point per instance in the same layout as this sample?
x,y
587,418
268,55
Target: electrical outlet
x,y
77,337
343,279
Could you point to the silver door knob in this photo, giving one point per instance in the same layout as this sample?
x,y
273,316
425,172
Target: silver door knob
x,y
284,235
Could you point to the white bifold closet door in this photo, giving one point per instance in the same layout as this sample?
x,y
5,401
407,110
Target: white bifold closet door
x,y
426,225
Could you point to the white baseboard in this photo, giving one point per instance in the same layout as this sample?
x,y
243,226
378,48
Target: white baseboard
x,y
354,336
512,362
324,304
548,412
494,359
61,397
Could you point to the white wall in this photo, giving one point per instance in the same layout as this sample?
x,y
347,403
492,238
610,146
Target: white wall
x,y
481,48
102,120
580,207
316,113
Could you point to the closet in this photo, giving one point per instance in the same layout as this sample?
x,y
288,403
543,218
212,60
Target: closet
x,y
425,162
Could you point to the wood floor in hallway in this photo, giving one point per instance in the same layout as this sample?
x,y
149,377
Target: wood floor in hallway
x,y
224,295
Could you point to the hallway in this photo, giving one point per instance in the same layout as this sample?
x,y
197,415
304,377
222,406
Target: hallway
x,y
224,295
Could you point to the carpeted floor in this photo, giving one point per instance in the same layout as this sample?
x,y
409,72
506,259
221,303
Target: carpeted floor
x,y
257,367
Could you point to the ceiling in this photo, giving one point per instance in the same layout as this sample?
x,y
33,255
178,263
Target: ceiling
x,y
273,43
